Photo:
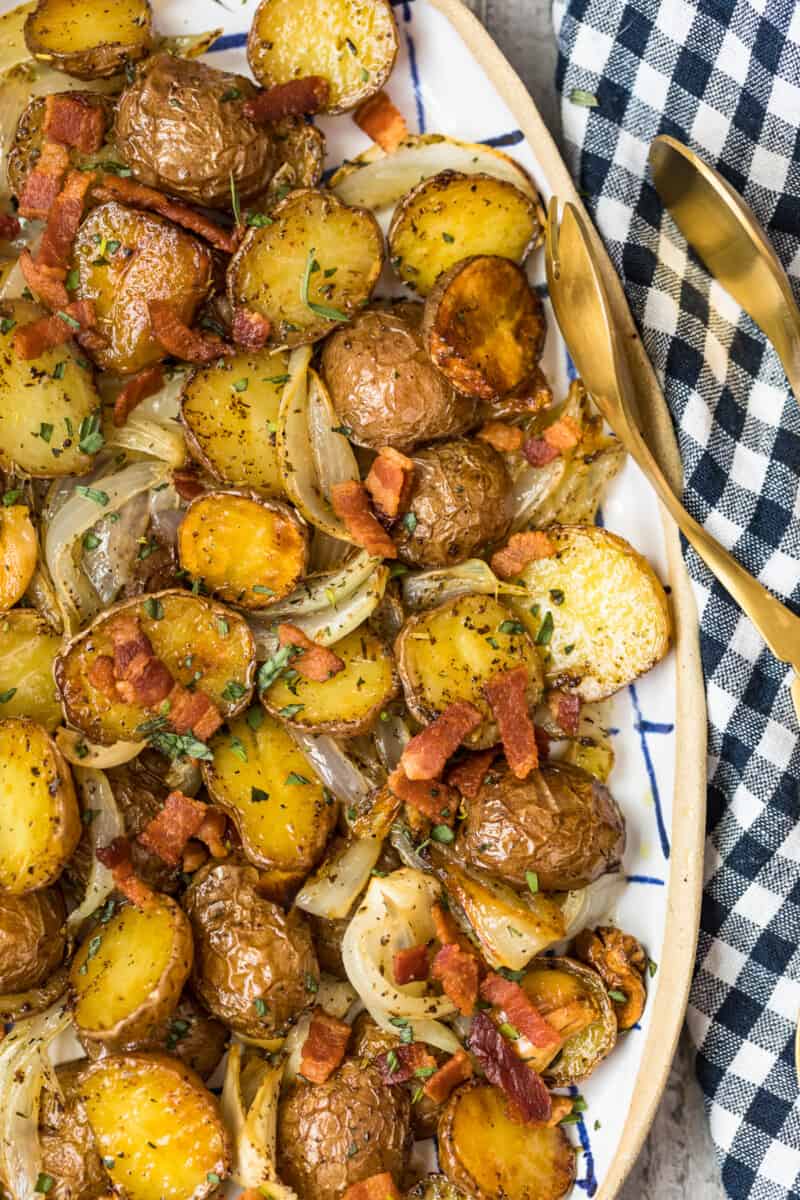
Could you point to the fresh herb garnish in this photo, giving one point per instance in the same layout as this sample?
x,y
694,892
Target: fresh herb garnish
x,y
90,438
545,630
154,608
258,795
6,696
532,880
93,494
233,690
91,541
320,310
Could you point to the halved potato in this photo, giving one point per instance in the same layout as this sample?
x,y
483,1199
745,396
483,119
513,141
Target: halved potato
x,y
301,150
484,326
229,411
351,43
41,436
158,1129
454,216
451,652
311,269
202,643
128,974
349,701
246,550
598,609
90,39
40,824
19,550
492,1157
29,138
560,988
282,812
28,648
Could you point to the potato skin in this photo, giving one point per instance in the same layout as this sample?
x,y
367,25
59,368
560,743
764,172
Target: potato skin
x,y
383,385
32,938
320,1124
176,132
248,949
560,822
194,1037
461,499
28,138
106,57
69,1154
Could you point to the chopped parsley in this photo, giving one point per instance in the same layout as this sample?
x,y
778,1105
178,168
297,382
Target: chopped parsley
x,y
545,630
90,437
320,310
290,710
6,696
154,608
442,833
238,748
45,431
180,745
293,777
233,690
532,880
93,494
91,541
258,795
255,718
11,497
410,522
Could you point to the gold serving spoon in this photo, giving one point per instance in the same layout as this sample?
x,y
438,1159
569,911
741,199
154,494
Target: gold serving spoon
x,y
721,228
583,313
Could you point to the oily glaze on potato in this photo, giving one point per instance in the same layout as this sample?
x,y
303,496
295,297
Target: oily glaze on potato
x,y
19,550
247,551
69,1155
573,998
32,938
29,138
125,258
91,39
451,652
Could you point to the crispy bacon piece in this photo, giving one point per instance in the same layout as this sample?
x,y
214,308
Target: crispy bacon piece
x,y
9,227
401,1063
566,710
63,221
182,342
194,857
351,504
389,481
324,1046
468,776
193,712
521,1084
452,1074
411,965
377,1187
73,121
427,753
433,799
101,676
213,830
250,329
187,485
506,693
563,434
313,662
44,182
117,857
293,99
33,339
380,119
137,389
505,438
169,831
447,932
457,970
45,282
138,195
539,452
141,677
520,1011
520,550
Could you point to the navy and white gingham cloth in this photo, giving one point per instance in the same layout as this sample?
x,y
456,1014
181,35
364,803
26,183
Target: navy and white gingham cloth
x,y
722,76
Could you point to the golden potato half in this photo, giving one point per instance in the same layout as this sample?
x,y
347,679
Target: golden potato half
x,y
28,649
19,550
90,39
568,988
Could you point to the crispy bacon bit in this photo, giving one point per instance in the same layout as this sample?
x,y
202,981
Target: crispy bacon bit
x,y
293,99
562,1107
137,389
401,1063
427,753
389,481
101,676
380,119
324,1046
521,1084
117,857
44,182
45,282
9,227
73,121
456,1070
194,856
411,965
447,932
457,970
138,195
563,434
520,550
187,485
182,342
314,662
520,1011
351,504
507,696
433,799
566,710
63,221
539,452
213,830
250,329
169,831
468,776
377,1187
193,711
33,339
505,438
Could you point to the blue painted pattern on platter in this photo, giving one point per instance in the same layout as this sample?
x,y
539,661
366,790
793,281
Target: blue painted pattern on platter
x,y
644,879
643,727
588,1183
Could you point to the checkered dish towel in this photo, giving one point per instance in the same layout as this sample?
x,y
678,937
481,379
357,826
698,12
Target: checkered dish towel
x,y
722,76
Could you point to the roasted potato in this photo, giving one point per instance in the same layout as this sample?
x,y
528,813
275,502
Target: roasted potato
x,y
230,427
29,138
491,1156
32,938
369,1042
158,1129
124,259
598,607
460,500
350,43
248,551
181,127
39,820
28,648
435,1187
451,652
621,963
282,812
140,788
560,823
254,964
334,1134
574,1001
328,944
383,385
484,326
39,437
19,551
301,152
69,1155
201,642
310,269
452,216
90,40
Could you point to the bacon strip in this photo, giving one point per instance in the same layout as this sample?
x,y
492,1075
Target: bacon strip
x,y
523,1087
182,342
507,696
45,282
74,121
169,831
213,830
138,195
433,799
377,1187
101,676
292,99
351,504
314,662
505,438
401,1063
457,970
117,857
389,481
63,221
33,339
380,119
411,965
520,1011
452,1074
566,710
44,182
427,753
468,776
563,434
9,227
520,550
193,711
324,1046
250,329
447,932
539,452
137,389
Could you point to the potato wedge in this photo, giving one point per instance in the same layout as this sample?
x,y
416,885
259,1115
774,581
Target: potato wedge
x,y
311,269
201,642
351,43
38,437
246,550
453,216
492,1157
19,550
560,987
282,812
125,258
484,326
92,39
599,609
158,1129
39,820
128,974
28,648
451,652
29,138
350,701
230,428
